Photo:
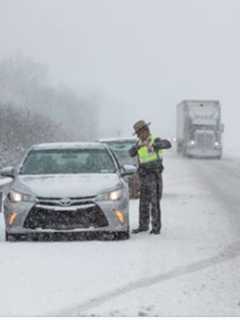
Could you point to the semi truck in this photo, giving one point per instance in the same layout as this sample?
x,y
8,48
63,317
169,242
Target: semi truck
x,y
199,129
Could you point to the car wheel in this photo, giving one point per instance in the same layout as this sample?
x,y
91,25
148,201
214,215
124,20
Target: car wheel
x,y
123,235
15,237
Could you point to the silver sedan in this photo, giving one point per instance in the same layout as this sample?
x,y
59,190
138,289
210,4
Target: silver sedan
x,y
64,189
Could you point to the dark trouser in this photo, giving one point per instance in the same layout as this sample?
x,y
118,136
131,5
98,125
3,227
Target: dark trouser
x,y
150,196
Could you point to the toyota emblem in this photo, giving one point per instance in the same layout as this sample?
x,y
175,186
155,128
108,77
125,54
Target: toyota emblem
x,y
66,202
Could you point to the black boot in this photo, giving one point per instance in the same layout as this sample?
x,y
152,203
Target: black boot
x,y
138,230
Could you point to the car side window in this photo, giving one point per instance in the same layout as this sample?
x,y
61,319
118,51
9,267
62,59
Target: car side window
x,y
115,159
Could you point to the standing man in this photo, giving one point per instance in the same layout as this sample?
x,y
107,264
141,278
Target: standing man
x,y
148,150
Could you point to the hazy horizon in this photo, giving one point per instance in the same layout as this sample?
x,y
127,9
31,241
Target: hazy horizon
x,y
139,58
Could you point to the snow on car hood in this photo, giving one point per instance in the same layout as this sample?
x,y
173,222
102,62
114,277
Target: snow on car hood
x,y
75,185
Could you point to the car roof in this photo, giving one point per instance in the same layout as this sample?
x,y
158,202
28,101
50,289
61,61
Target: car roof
x,y
130,139
68,145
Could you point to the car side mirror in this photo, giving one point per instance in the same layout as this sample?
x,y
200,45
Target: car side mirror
x,y
8,172
128,170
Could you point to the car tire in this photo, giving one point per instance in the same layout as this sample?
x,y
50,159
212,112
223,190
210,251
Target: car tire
x,y
10,237
123,235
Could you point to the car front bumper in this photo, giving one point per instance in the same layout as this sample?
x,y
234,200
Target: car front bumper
x,y
115,212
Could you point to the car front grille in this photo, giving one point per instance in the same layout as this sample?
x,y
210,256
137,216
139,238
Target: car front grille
x,y
71,202
205,140
89,215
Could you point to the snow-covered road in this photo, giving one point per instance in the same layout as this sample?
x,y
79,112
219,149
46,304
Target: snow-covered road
x,y
192,269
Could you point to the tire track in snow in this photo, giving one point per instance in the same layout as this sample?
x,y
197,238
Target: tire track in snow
x,y
230,252
223,181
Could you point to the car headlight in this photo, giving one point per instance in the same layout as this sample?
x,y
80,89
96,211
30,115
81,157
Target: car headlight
x,y
17,197
217,144
111,196
115,195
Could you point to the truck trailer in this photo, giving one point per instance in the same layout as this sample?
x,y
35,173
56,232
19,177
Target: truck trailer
x,y
199,129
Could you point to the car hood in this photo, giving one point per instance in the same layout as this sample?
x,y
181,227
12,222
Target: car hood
x,y
75,185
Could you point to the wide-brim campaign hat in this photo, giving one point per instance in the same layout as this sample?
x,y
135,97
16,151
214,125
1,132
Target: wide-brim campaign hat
x,y
140,125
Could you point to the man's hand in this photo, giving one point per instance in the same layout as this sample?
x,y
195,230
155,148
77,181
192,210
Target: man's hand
x,y
133,151
161,144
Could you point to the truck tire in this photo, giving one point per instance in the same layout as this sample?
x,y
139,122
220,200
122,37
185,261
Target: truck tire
x,y
179,147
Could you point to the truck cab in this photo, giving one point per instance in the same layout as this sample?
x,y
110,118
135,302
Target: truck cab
x,y
199,128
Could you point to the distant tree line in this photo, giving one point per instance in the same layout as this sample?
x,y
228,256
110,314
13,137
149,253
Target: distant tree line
x,y
19,129
34,111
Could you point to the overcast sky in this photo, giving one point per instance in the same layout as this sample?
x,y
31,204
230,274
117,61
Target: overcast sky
x,y
143,56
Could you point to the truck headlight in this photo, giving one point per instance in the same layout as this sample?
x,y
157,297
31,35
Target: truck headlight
x,y
217,145
110,196
192,143
16,197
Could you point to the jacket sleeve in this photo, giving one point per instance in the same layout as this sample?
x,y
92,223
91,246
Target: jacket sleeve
x,y
133,151
161,144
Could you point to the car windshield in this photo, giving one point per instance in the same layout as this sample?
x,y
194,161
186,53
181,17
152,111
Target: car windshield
x,y
121,150
68,162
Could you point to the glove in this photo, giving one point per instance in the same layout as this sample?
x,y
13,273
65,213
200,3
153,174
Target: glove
x,y
133,151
